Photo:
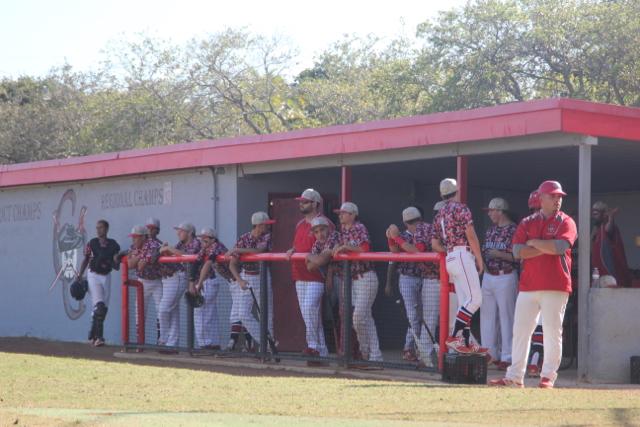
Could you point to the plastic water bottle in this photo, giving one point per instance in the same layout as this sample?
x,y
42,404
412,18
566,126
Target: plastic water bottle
x,y
595,276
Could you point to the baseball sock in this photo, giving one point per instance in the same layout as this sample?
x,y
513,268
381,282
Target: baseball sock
x,y
537,346
463,319
466,333
236,329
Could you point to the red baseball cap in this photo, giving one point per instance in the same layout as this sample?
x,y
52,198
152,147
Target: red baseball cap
x,y
551,187
534,200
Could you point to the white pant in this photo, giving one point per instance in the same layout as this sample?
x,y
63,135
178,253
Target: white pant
x,y
430,313
152,290
246,305
363,294
411,289
461,267
551,304
236,302
205,318
499,295
310,301
169,312
97,283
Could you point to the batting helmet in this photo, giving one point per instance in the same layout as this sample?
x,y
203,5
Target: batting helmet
x,y
551,187
534,200
194,300
78,289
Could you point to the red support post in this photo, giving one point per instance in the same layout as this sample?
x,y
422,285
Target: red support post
x,y
444,309
124,272
345,184
462,171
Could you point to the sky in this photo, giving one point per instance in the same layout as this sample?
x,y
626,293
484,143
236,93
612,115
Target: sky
x,y
37,35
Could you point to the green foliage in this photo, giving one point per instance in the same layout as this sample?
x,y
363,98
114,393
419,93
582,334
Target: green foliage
x,y
151,92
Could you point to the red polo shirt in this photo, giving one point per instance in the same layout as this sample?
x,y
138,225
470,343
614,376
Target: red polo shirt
x,y
546,272
303,241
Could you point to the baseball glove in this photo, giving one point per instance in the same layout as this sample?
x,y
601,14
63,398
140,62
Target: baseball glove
x,y
194,300
78,289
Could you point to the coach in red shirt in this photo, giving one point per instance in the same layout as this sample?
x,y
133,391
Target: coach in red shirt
x,y
543,241
309,284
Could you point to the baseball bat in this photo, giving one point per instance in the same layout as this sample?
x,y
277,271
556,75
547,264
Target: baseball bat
x,y
270,340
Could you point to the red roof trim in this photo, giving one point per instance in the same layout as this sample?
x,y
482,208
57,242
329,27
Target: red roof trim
x,y
509,120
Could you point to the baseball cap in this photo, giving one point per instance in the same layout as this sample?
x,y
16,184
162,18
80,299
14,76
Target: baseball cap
x,y
448,186
319,221
311,195
600,206
186,226
139,230
498,204
207,231
438,205
261,218
348,207
410,213
153,222
551,187
534,200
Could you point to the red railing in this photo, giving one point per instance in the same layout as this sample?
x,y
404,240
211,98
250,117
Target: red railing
x,y
445,288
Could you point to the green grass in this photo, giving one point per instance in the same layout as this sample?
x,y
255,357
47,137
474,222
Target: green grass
x,y
38,390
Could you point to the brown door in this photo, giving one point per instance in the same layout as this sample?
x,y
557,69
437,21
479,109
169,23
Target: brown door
x,y
288,325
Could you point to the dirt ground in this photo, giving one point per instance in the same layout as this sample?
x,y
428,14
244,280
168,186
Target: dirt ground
x,y
26,345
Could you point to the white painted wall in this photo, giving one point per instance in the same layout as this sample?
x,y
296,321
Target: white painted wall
x,y
27,307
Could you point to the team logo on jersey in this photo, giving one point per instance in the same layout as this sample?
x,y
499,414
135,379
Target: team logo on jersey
x,y
69,240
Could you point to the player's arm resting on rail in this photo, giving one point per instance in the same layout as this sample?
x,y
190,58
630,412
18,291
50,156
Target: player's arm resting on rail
x,y
397,243
503,255
474,243
315,261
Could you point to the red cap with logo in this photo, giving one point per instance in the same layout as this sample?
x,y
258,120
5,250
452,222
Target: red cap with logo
x,y
551,187
534,200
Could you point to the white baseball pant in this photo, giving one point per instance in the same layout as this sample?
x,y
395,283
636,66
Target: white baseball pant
x,y
205,318
169,312
246,305
499,295
430,313
363,294
310,301
152,290
551,305
410,289
236,302
97,283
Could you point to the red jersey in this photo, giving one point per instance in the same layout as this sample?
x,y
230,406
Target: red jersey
x,y
607,255
546,272
303,241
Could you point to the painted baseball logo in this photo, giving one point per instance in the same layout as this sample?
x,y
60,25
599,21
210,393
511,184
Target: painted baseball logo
x,y
69,240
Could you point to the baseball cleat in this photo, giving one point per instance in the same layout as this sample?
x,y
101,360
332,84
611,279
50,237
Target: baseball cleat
x,y
457,344
502,366
533,371
99,342
409,355
545,383
505,382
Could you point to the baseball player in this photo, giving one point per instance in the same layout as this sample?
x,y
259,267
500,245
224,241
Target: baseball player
x,y
536,353
543,241
153,289
607,247
499,284
100,256
208,284
174,284
455,234
419,282
142,257
354,237
247,274
309,283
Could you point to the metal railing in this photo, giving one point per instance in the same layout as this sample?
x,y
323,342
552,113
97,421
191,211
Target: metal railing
x,y
346,358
